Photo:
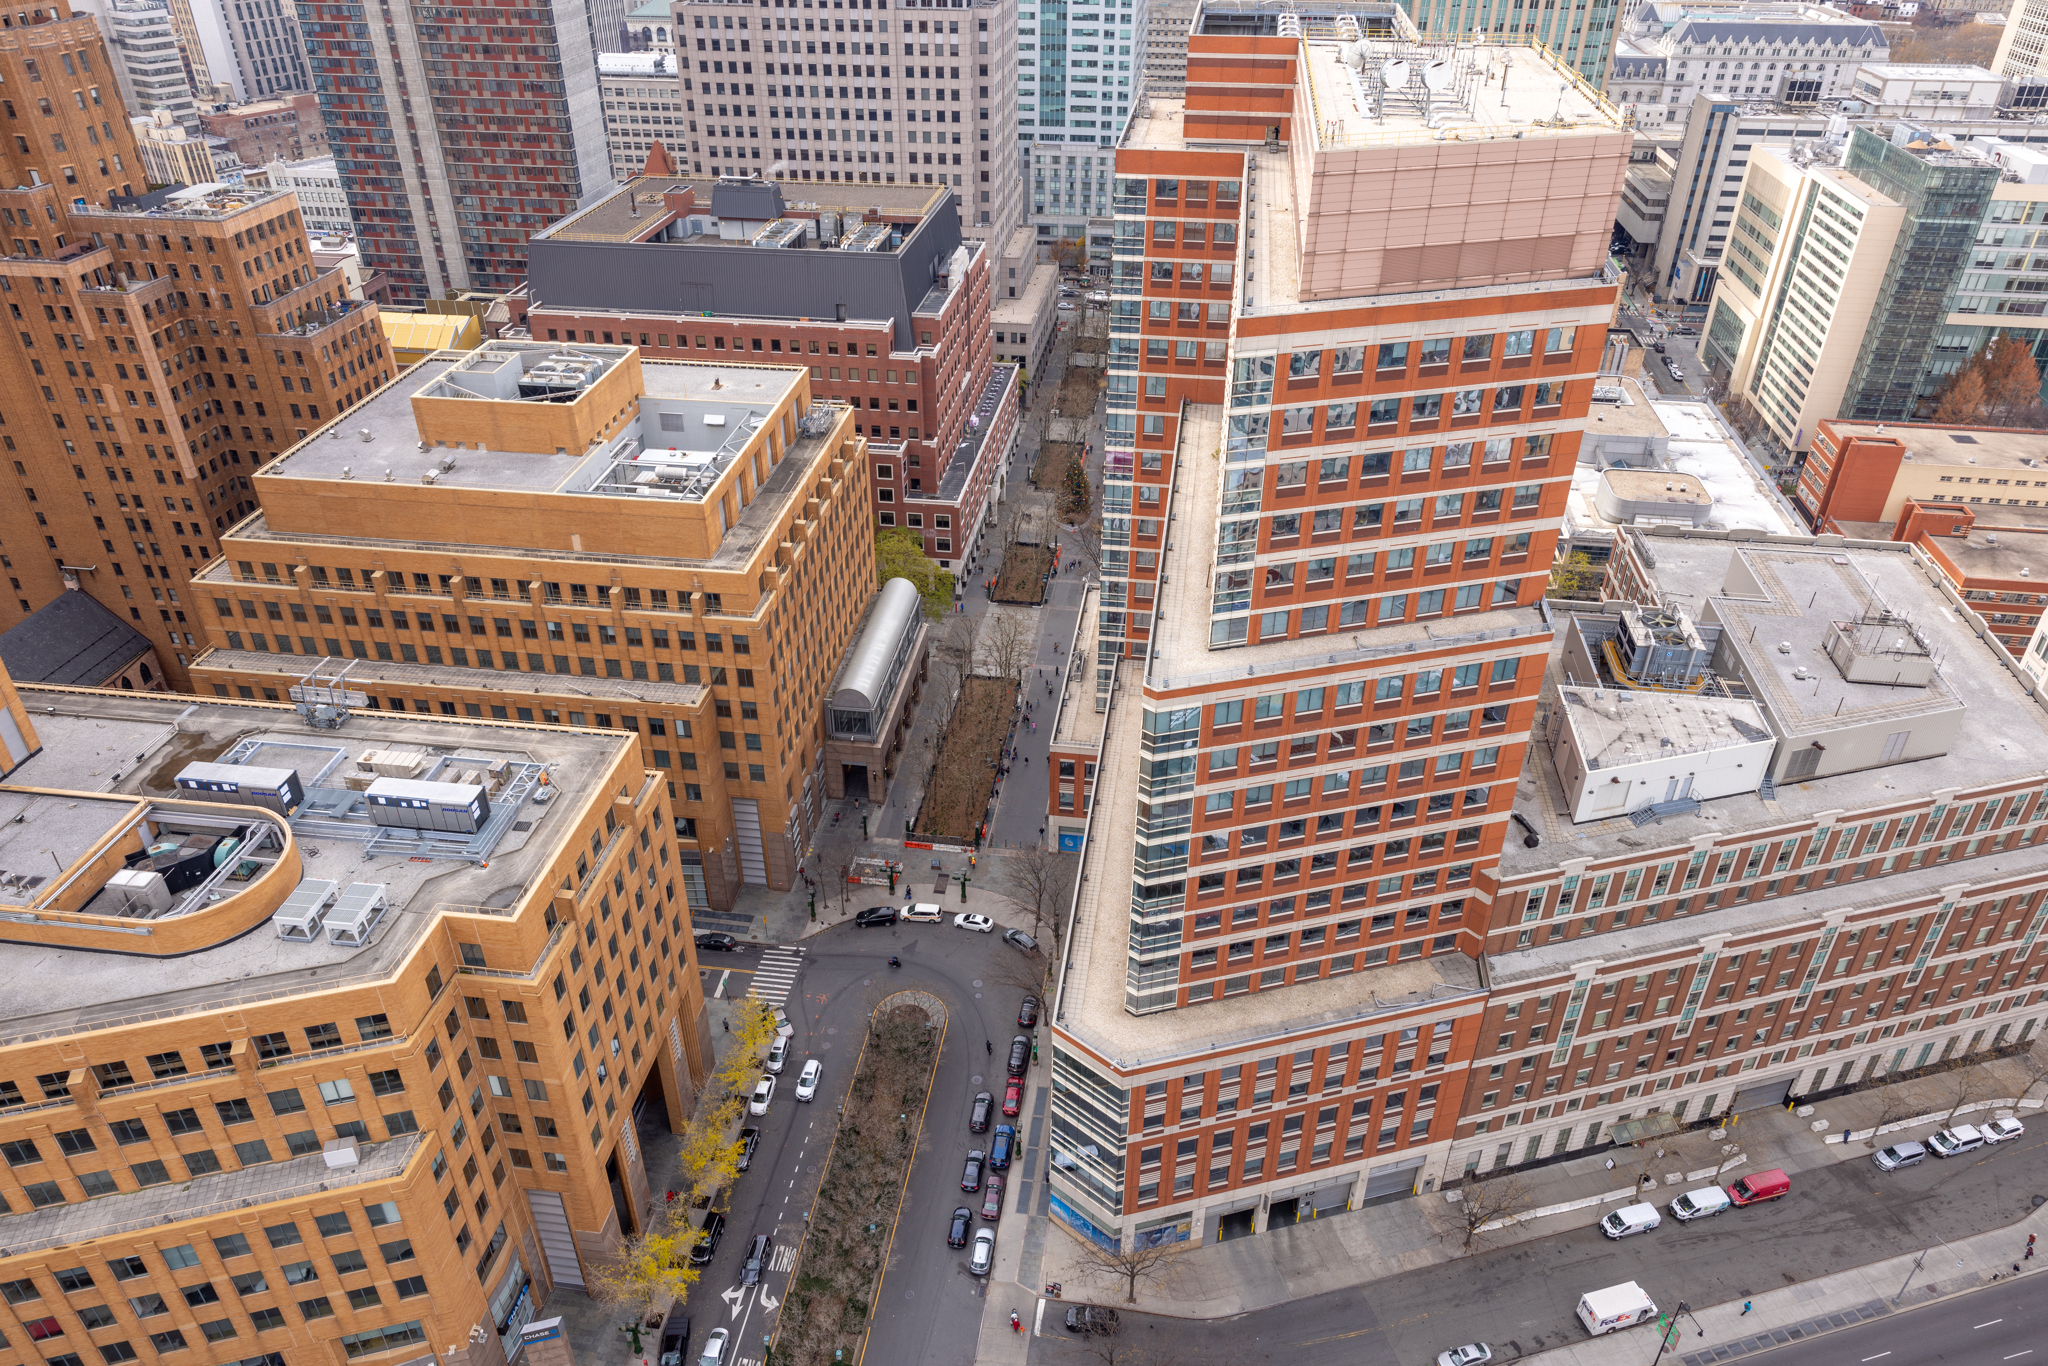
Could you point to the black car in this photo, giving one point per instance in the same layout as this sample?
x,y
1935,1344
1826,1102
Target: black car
x,y
977,1118
970,1175
876,915
675,1341
1027,1013
957,1231
758,1253
1088,1318
1000,1150
717,941
750,1139
714,1229
1020,1054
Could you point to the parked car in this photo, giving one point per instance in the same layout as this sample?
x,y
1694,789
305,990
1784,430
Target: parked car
x,y
783,1028
1964,1138
1069,293
759,1254
807,1080
977,1118
717,942
764,1091
876,915
970,1175
1630,1219
1758,1187
1660,348
924,910
992,1199
1472,1354
1999,1130
778,1056
999,1151
1019,939
1907,1154
956,1232
675,1340
714,1348
1066,306
1020,1054
1027,1013
1704,1203
707,1246
1013,1097
750,1139
968,920
1088,1318
983,1257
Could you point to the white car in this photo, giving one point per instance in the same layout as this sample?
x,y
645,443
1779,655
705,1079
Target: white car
x,y
983,1257
1066,306
764,1091
807,1082
1999,1130
714,1348
783,1028
1472,1354
778,1055
967,920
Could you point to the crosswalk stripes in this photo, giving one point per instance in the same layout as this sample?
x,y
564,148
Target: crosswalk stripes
x,y
776,975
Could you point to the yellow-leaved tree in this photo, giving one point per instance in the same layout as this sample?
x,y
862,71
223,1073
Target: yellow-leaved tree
x,y
649,1270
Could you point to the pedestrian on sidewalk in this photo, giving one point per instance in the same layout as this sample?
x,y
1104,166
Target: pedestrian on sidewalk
x,y
1016,1324
1747,1305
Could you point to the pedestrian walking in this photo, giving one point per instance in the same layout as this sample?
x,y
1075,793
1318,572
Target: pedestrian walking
x,y
1016,1324
1746,1307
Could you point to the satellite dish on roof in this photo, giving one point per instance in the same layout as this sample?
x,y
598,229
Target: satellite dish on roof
x,y
1394,75
1437,75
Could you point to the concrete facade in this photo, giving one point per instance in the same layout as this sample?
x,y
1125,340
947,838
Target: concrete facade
x,y
705,621
166,448
165,1131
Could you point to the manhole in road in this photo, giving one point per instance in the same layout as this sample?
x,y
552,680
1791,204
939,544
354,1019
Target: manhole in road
x,y
974,1080
977,996
833,1030
977,982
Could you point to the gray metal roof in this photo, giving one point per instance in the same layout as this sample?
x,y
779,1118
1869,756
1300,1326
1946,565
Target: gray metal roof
x,y
867,668
1848,32
73,641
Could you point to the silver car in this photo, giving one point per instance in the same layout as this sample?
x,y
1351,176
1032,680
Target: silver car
x,y
983,1257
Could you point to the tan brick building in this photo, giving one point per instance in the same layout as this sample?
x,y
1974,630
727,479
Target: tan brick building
x,y
222,1135
158,347
283,128
572,535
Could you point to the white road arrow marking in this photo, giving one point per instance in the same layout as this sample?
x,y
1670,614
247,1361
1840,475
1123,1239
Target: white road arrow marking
x,y
769,1302
735,1298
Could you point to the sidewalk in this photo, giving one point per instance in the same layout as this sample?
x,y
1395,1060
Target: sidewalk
x,y
1343,1250
1808,1310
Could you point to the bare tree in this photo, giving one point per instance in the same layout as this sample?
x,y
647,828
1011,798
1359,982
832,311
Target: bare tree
x,y
1004,644
1486,1203
1960,1087
1043,881
952,647
2037,1071
1893,1104
1129,1267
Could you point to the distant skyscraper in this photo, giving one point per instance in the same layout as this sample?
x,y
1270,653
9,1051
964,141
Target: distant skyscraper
x,y
1079,70
264,51
449,172
148,65
2025,37
1582,35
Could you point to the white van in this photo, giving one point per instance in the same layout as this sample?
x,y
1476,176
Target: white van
x,y
1952,1142
1618,1306
925,910
1630,1219
1700,1204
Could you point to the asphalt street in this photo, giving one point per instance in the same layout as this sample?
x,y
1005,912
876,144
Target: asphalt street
x,y
1995,1326
1520,1299
929,1308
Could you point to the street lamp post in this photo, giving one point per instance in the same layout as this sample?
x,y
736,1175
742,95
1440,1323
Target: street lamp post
x,y
1669,1331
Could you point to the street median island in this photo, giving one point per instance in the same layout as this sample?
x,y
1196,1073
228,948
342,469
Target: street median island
x,y
1022,577
1051,466
963,778
839,1267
